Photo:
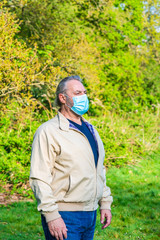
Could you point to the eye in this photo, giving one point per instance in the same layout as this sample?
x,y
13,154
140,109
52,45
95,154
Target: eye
x,y
78,93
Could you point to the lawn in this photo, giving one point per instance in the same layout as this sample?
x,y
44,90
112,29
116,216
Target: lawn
x,y
136,207
135,210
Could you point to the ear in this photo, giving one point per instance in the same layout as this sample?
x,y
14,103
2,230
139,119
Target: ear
x,y
62,98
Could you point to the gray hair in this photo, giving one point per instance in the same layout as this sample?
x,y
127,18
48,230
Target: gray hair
x,y
61,88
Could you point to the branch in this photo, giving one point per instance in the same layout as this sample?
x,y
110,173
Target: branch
x,y
41,70
116,157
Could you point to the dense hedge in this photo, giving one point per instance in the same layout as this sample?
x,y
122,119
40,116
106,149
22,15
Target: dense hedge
x,y
126,138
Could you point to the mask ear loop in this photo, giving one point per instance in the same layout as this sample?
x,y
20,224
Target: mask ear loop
x,y
66,103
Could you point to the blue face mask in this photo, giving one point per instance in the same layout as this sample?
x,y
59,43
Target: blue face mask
x,y
80,104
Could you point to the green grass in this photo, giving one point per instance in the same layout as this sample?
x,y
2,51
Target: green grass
x,y
136,204
20,221
135,210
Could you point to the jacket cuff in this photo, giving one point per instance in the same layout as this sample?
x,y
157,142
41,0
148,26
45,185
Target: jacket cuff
x,y
50,216
105,205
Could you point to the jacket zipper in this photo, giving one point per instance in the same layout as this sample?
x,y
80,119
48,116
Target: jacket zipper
x,y
95,168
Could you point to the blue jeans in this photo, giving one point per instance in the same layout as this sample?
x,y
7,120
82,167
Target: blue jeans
x,y
80,225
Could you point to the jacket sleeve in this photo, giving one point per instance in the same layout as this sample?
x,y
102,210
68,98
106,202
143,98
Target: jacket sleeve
x,y
106,200
42,162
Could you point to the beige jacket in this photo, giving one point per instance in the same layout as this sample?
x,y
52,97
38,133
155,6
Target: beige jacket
x,y
63,175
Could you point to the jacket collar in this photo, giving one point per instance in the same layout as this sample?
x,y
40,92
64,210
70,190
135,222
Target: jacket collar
x,y
64,124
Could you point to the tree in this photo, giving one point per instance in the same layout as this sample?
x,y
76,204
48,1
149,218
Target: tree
x,y
106,42
21,70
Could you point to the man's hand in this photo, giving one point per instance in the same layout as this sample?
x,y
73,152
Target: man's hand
x,y
58,229
106,217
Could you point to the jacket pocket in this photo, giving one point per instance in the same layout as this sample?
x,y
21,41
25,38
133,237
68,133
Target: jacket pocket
x,y
61,187
80,189
69,185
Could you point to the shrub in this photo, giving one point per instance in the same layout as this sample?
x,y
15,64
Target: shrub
x,y
126,137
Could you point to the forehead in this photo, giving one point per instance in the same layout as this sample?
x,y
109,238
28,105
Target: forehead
x,y
74,85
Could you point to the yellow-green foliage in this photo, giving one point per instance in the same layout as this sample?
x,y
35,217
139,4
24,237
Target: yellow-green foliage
x,y
108,43
21,71
113,46
128,136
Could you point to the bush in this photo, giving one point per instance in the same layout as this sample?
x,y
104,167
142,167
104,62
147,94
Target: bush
x,y
16,136
126,137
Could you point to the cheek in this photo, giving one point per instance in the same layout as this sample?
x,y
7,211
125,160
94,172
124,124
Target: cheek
x,y
69,102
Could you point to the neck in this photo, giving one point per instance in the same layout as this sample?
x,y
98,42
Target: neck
x,y
67,113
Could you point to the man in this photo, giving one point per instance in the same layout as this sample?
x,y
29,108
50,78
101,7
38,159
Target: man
x,y
67,173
